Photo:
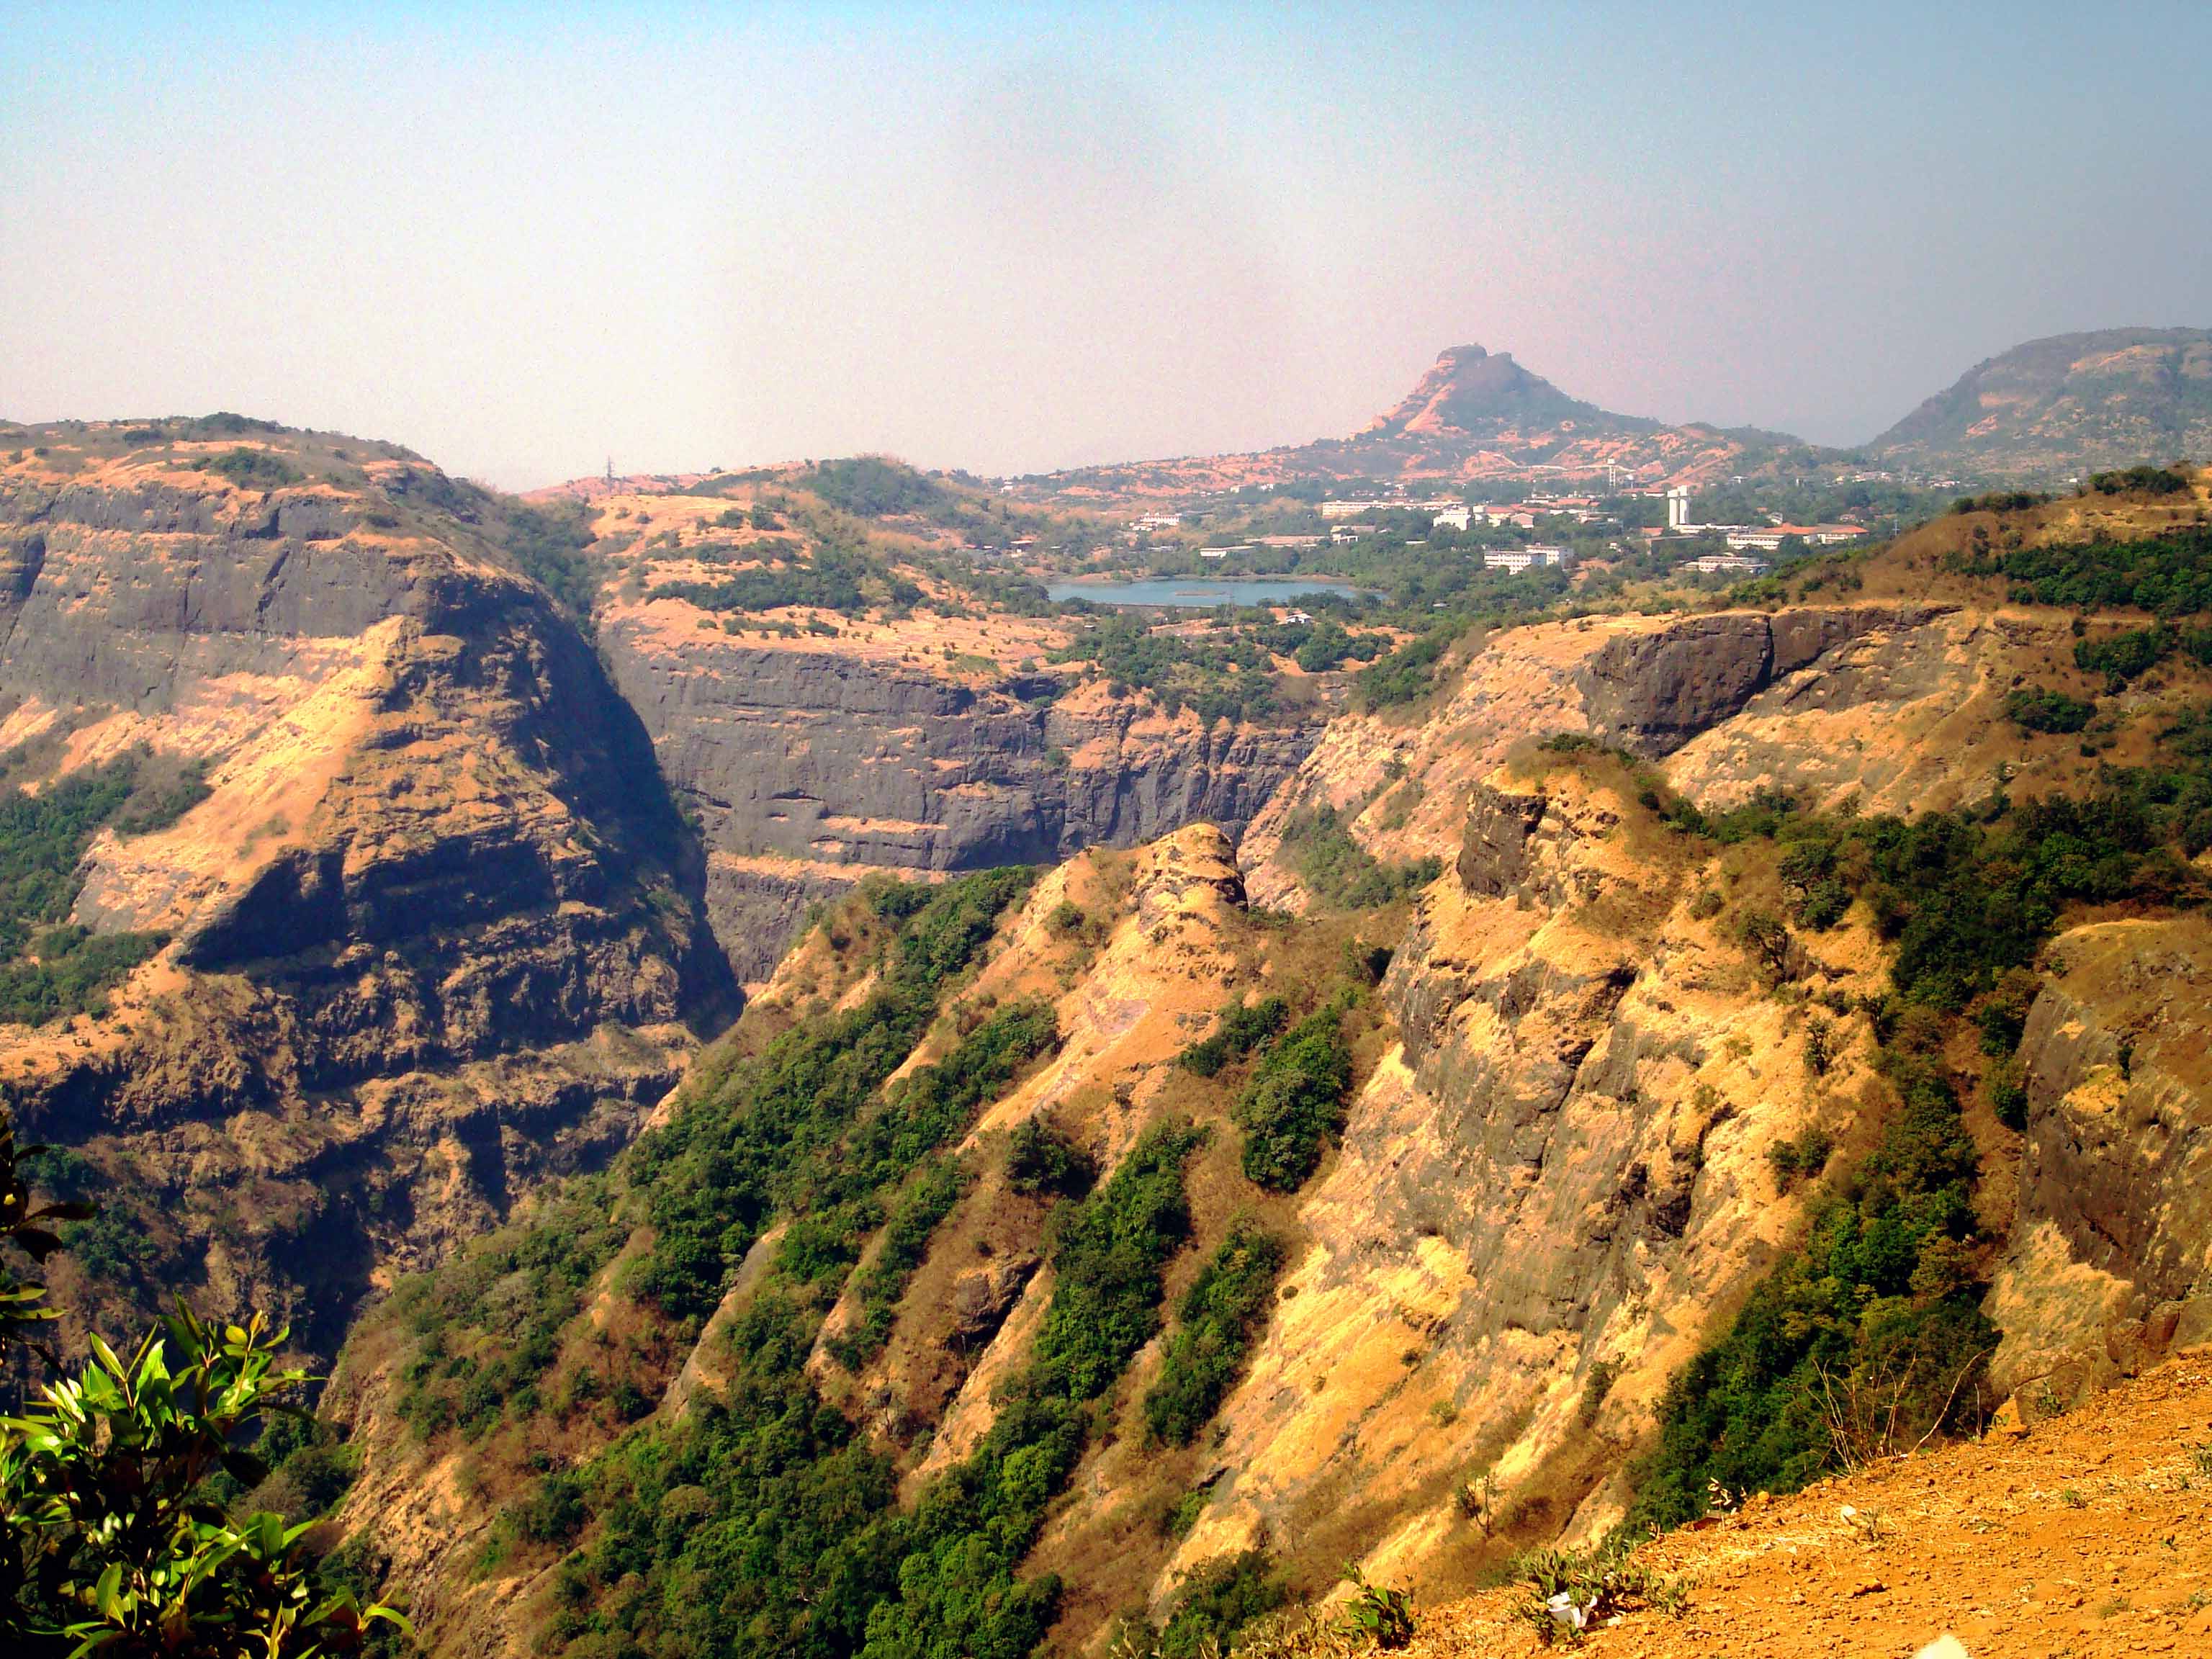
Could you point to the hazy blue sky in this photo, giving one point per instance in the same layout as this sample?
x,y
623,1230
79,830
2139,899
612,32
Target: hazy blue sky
x,y
523,238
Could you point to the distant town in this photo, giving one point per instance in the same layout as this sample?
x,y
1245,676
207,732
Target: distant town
x,y
1352,519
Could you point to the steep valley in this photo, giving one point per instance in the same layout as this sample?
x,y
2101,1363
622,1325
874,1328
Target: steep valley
x,y
832,740
428,926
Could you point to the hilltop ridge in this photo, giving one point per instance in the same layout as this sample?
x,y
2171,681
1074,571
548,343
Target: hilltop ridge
x,y
2066,404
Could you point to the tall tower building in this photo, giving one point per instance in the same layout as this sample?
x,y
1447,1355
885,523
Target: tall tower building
x,y
1678,508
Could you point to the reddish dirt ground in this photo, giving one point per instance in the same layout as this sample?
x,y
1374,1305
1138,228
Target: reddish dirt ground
x,y
2089,1534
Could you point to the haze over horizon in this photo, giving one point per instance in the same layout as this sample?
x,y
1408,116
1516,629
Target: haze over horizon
x,y
523,241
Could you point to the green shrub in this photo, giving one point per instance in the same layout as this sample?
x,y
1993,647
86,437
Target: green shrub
x,y
1871,1335
1183,1513
542,1268
1295,1101
1107,1259
1999,501
2140,481
2124,656
1818,895
1217,1601
831,580
2008,1093
1604,1373
956,1590
550,545
1338,871
2037,708
1380,1614
310,1465
253,469
1322,649
49,967
760,1139
2169,575
1241,1028
1221,1313
771,1496
1225,679
1042,1160
1407,674
1571,1592
72,974
1805,1153
869,487
904,1241
1872,1307
2002,1013
554,1512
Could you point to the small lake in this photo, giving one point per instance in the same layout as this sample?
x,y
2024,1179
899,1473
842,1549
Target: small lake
x,y
1199,593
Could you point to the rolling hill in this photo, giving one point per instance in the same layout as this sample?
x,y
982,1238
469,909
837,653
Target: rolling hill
x,y
2069,404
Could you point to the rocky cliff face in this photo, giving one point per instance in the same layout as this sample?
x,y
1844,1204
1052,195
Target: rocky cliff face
x,y
1551,1191
1167,938
1557,1189
435,930
1553,1187
2111,1265
808,764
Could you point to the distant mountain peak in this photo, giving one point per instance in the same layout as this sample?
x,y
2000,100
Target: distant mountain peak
x,y
1480,394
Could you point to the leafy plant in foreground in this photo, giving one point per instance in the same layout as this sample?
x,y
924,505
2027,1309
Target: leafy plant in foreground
x,y
113,1541
1569,1592
23,1302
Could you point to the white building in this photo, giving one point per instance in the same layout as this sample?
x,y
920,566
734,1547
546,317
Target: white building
x,y
1678,508
1768,537
1727,564
1456,517
1345,509
1518,559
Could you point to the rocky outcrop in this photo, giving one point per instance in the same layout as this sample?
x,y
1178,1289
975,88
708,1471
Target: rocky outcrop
x,y
982,1297
808,765
1652,692
437,931
1894,702
1903,715
2111,1265
1493,853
